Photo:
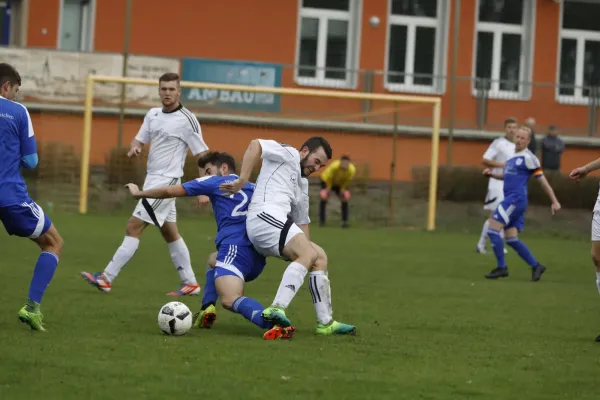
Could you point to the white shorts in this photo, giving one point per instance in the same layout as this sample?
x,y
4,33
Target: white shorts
x,y
493,198
596,223
164,209
270,232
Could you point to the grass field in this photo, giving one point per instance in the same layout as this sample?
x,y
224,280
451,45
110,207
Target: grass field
x,y
429,325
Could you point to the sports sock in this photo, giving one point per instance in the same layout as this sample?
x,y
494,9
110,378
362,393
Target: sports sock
x,y
210,291
251,310
598,280
121,257
484,234
322,211
320,290
522,251
345,211
498,246
181,260
42,275
292,280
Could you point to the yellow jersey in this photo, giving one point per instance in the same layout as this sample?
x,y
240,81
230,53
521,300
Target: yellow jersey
x,y
333,175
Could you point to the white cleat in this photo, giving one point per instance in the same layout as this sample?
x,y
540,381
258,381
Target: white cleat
x,y
480,249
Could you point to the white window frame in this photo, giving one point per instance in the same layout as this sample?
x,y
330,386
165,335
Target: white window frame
x,y
527,32
581,37
88,28
441,49
353,17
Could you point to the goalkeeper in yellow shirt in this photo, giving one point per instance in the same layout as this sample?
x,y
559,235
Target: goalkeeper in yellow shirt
x,y
336,178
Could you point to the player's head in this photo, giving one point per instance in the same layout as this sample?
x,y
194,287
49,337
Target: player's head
x,y
314,154
510,128
344,162
169,90
10,81
522,138
217,163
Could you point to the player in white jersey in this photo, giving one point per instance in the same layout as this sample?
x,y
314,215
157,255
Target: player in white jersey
x,y
171,130
577,174
495,156
277,225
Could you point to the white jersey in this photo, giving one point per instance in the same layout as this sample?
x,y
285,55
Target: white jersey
x,y
500,150
280,186
170,135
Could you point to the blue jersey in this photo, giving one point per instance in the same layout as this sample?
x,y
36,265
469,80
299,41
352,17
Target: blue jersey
x,y
517,171
230,211
17,143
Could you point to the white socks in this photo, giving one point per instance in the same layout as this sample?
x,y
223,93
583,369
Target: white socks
x,y
182,262
121,257
598,280
292,280
320,290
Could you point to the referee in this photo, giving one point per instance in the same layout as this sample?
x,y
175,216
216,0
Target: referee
x,y
336,177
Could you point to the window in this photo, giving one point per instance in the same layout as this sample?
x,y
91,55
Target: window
x,y
503,50
327,52
11,23
76,25
415,58
579,62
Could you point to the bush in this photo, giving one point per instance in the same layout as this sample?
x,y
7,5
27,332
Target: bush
x,y
58,163
467,184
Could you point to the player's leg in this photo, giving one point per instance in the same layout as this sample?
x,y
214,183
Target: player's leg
x,y
493,198
180,255
208,312
513,228
344,196
323,204
133,231
496,225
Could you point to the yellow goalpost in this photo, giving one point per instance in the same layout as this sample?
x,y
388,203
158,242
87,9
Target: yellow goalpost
x,y
435,102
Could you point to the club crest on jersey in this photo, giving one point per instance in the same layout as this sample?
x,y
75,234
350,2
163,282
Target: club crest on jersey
x,y
519,161
293,178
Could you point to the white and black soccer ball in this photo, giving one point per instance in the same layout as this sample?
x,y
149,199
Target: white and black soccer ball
x,y
175,318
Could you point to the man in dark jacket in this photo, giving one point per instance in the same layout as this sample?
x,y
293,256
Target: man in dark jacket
x,y
552,149
530,122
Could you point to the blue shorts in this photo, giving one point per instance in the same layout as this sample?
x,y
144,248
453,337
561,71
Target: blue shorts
x,y
511,214
25,220
241,261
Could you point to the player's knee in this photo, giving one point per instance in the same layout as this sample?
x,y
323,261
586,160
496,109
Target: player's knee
x,y
51,241
596,260
227,301
211,262
134,228
170,232
321,262
308,257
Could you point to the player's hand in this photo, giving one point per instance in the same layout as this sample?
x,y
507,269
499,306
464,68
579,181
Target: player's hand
x,y
325,193
134,152
555,207
233,186
487,172
134,190
346,195
578,173
202,201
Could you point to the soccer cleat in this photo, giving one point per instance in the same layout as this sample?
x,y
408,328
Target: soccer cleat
x,y
205,318
598,338
277,316
335,328
536,273
480,249
98,280
31,318
186,290
497,273
279,332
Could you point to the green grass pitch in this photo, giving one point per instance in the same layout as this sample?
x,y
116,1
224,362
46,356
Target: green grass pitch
x,y
429,325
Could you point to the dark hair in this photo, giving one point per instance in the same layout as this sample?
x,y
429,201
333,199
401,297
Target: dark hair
x,y
8,73
509,121
169,77
318,141
345,158
217,158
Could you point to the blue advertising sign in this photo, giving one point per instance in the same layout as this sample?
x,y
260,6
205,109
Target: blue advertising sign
x,y
234,73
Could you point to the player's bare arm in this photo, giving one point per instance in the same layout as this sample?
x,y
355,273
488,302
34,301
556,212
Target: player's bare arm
x,y
135,148
492,174
492,163
305,229
548,189
166,192
581,172
250,160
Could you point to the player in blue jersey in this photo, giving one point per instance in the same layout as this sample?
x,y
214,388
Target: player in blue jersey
x,y
20,215
510,213
237,261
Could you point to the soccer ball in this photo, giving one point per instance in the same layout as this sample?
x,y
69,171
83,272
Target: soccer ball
x,y
175,318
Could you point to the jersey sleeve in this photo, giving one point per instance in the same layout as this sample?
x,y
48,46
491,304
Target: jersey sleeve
x,y
143,134
533,165
492,151
275,151
195,141
26,135
207,186
300,210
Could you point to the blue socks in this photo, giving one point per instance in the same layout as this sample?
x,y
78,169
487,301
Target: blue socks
x,y
251,310
498,246
210,291
42,275
522,251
